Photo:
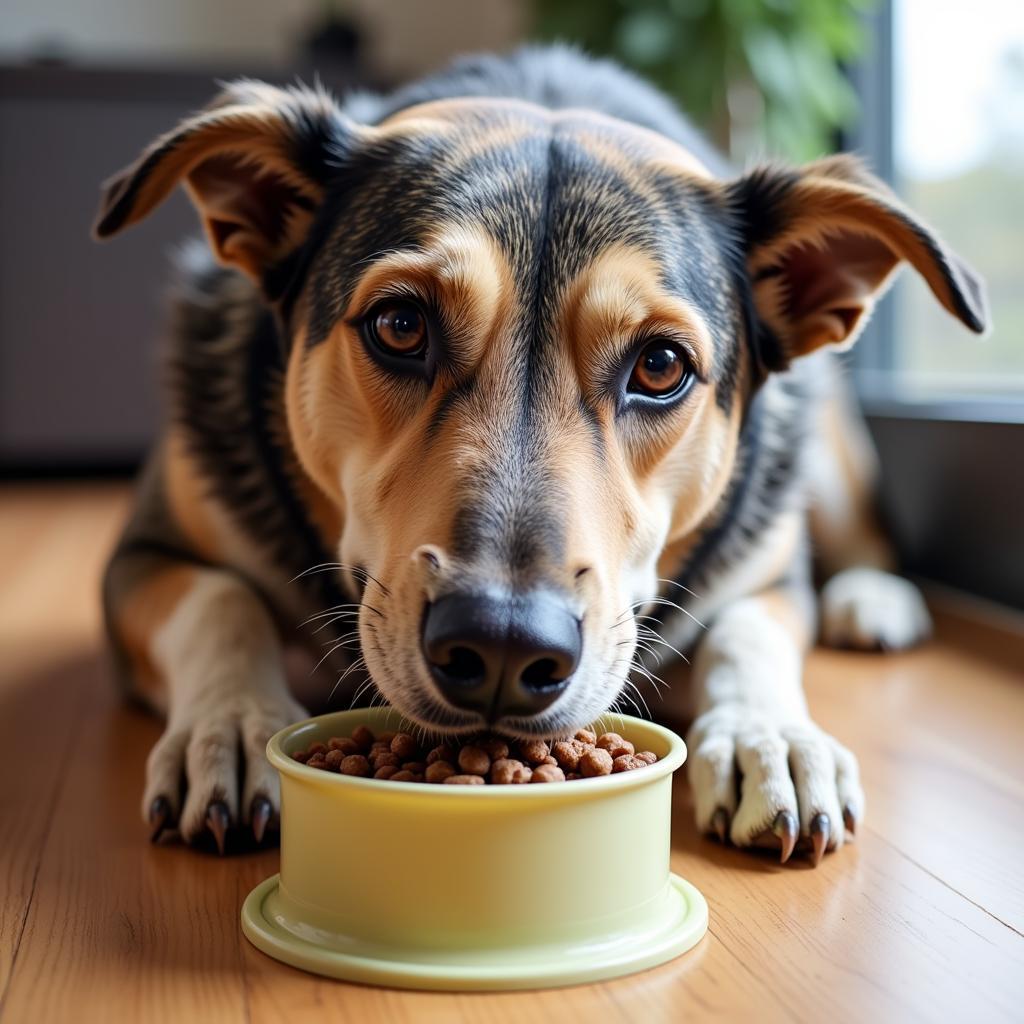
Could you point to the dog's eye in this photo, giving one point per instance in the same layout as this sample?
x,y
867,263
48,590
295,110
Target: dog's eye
x,y
661,370
398,328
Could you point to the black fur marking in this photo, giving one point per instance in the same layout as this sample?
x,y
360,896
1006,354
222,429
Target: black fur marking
x,y
226,374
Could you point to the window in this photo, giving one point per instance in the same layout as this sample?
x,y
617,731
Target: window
x,y
951,101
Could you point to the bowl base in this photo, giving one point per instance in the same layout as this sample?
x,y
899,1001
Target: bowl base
x,y
681,924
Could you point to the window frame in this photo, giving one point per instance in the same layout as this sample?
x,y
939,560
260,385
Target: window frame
x,y
952,490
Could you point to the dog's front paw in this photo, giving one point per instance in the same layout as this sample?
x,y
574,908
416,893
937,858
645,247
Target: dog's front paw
x,y
209,770
792,781
870,610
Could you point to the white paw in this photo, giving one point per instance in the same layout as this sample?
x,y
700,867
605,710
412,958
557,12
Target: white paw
x,y
870,609
209,770
766,782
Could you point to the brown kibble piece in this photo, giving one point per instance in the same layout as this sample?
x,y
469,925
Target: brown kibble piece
x,y
345,744
625,747
386,737
386,771
569,776
609,741
594,762
355,764
508,771
383,758
438,771
567,754
464,780
302,756
548,773
416,767
333,759
534,751
317,761
363,736
441,753
494,747
317,748
627,763
403,745
404,776
586,736
647,756
474,761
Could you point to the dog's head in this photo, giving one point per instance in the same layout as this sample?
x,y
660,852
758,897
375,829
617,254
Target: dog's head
x,y
521,344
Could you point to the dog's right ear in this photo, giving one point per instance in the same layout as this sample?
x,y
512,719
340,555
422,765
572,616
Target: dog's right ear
x,y
256,164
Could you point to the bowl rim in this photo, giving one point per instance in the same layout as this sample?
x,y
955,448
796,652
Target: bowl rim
x,y
287,765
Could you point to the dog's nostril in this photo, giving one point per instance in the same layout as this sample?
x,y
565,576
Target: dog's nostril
x,y
542,674
464,666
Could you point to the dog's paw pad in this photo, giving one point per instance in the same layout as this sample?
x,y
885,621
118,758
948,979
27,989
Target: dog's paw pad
x,y
869,609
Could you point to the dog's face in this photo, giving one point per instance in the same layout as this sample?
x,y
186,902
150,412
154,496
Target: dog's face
x,y
521,348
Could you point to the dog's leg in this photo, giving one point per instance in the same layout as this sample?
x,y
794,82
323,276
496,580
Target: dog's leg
x,y
864,603
199,645
761,770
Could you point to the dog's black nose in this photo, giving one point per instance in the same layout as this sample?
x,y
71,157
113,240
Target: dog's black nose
x,y
501,655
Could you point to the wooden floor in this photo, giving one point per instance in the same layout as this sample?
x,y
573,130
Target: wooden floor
x,y
921,919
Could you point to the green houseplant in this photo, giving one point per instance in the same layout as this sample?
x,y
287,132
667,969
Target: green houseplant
x,y
761,76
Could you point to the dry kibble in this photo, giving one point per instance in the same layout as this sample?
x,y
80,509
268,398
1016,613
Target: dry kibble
x,y
355,764
474,761
506,771
362,736
595,762
627,762
494,747
438,771
403,745
345,744
567,754
534,751
396,756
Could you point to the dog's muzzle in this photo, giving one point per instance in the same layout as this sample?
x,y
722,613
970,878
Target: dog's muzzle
x,y
501,655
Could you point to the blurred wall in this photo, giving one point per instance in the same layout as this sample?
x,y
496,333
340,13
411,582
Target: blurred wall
x,y
403,37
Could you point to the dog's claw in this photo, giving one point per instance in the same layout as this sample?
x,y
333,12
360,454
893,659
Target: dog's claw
x,y
786,828
217,821
159,817
820,828
259,814
849,821
720,823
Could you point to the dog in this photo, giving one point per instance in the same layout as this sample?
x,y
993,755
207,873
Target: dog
x,y
507,383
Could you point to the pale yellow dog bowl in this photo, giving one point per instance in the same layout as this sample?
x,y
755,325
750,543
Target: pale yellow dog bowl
x,y
473,887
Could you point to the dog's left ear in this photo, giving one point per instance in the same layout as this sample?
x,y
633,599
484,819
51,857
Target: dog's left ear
x,y
821,246
255,164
